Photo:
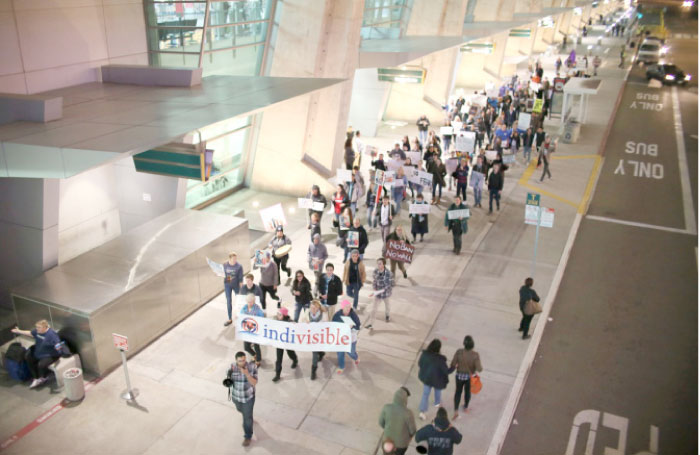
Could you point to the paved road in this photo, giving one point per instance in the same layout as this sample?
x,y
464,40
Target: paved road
x,y
621,352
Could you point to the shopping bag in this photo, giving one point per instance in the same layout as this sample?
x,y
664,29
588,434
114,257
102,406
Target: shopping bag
x,y
532,308
475,384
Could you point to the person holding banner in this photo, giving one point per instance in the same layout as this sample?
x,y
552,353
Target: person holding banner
x,y
458,226
419,222
252,309
347,315
400,236
233,277
354,276
316,198
283,315
278,241
316,257
382,283
269,278
329,288
316,311
301,289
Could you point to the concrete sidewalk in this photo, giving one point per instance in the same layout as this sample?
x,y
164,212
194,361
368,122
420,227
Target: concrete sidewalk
x,y
183,407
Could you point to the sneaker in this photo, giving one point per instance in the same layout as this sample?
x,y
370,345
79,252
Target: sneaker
x,y
340,371
405,275
438,405
276,378
228,323
357,362
246,442
369,327
35,383
421,416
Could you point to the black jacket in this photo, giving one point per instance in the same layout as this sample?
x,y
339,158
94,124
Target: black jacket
x,y
335,288
364,241
496,181
527,293
433,370
305,288
441,436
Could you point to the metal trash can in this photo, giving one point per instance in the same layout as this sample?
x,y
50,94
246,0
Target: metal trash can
x,y
572,129
73,383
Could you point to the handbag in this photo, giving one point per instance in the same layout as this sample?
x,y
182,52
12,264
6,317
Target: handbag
x,y
475,384
532,308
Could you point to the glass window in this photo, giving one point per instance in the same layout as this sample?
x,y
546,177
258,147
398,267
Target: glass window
x,y
166,59
235,62
237,35
385,19
169,14
175,39
230,12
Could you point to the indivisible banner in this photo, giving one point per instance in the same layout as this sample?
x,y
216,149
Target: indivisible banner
x,y
399,251
316,336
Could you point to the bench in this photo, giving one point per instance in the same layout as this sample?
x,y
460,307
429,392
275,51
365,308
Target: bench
x,y
62,365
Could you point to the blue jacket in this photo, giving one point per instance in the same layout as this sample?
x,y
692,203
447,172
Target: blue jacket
x,y
441,437
337,317
234,275
433,370
45,344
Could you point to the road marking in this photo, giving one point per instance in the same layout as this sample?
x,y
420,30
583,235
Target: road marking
x,y
525,366
589,187
641,225
683,164
524,183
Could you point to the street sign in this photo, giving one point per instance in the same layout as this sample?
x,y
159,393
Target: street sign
x,y
533,199
121,342
543,214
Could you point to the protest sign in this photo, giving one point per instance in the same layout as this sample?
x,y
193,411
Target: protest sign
x,y
457,214
457,126
313,337
465,141
425,179
393,165
446,130
389,178
451,165
419,209
524,121
491,155
217,268
399,251
508,158
353,239
344,175
305,203
258,260
414,157
272,217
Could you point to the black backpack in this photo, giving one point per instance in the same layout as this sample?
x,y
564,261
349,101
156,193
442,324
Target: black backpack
x,y
15,352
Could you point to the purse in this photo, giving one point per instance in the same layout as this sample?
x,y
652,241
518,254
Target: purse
x,y
532,308
475,384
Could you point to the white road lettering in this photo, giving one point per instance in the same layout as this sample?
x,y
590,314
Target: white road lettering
x,y
640,148
620,169
592,418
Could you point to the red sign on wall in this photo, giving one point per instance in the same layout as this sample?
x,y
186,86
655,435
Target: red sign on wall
x,y
121,342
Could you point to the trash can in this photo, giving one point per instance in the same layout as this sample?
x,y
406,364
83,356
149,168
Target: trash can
x,y
73,383
572,129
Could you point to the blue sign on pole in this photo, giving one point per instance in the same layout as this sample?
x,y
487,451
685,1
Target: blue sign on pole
x,y
533,199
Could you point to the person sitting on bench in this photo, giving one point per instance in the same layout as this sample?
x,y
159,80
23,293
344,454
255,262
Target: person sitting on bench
x,y
46,350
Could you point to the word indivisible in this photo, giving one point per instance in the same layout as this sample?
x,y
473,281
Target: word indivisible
x,y
310,337
324,336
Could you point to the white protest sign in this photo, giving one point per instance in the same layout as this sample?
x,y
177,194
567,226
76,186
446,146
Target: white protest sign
x,y
479,100
393,165
217,268
305,203
419,209
451,165
317,336
457,214
524,121
317,206
446,130
457,126
491,155
414,157
389,178
465,141
344,175
272,217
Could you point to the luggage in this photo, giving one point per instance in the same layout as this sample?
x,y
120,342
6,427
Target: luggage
x,y
15,364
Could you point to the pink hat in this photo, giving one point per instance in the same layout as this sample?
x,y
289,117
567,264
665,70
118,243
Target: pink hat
x,y
345,304
284,311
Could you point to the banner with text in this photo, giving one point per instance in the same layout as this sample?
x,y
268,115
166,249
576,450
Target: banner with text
x,y
399,251
317,336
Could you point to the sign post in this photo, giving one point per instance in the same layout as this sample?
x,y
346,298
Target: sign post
x,y
533,199
121,342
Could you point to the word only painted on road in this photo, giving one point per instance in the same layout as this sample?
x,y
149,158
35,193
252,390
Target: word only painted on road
x,y
646,102
638,168
592,418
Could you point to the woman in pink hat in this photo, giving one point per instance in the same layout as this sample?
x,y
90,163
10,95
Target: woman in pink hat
x,y
347,315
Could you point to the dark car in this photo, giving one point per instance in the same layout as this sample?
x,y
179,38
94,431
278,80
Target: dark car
x,y
667,73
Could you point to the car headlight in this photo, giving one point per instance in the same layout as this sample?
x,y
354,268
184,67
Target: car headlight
x,y
687,77
664,50
670,77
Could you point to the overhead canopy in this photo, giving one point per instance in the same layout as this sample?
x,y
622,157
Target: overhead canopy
x,y
582,86
103,122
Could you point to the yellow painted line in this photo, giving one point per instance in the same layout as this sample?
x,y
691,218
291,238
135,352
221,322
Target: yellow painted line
x,y
528,173
575,157
547,193
589,186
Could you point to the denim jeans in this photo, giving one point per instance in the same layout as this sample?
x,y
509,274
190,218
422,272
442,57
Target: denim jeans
x,y
371,220
462,187
426,394
353,208
297,309
228,289
397,195
437,185
477,194
422,136
247,410
494,194
527,151
352,354
353,290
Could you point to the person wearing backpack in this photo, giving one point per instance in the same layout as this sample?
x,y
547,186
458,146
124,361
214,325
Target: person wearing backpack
x,y
46,350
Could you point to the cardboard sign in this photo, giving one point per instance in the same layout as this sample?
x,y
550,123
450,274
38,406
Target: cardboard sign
x,y
465,141
353,239
121,342
524,121
316,336
399,251
393,165
451,165
258,259
419,209
457,214
305,203
272,217
414,157
446,130
344,175
217,268
457,126
378,177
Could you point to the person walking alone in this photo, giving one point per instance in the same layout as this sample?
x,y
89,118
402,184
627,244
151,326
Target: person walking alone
x,y
382,284
526,293
467,363
433,372
495,184
398,422
244,377
544,157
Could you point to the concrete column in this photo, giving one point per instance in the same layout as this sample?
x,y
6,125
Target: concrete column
x,y
369,98
301,141
29,229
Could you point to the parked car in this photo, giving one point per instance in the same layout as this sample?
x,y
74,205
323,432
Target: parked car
x,y
650,51
667,73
